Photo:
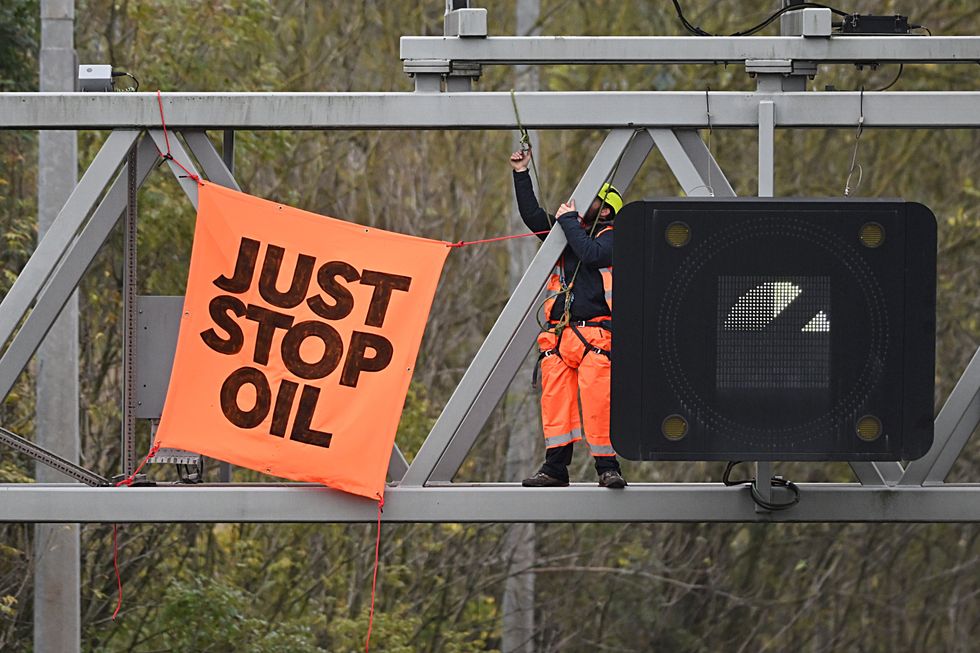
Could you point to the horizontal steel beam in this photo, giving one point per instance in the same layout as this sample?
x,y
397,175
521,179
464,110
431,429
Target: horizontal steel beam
x,y
692,502
477,110
691,49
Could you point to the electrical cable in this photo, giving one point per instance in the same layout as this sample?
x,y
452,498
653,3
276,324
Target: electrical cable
x,y
775,481
687,25
707,111
901,67
120,73
854,154
697,31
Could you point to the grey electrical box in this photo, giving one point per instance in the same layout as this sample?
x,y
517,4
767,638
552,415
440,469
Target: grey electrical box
x,y
812,22
816,22
95,78
466,22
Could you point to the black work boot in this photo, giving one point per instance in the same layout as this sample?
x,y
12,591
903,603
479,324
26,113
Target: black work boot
x,y
540,479
612,479
554,470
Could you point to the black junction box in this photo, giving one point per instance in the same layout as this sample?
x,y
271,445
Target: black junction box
x,y
881,25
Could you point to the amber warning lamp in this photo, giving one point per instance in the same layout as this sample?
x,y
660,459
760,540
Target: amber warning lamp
x,y
782,329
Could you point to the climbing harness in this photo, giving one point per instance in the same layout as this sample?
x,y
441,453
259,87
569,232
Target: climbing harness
x,y
566,289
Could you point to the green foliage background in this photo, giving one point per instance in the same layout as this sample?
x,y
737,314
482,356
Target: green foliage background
x,y
630,587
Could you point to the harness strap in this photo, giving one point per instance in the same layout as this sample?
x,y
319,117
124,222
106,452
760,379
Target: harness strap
x,y
602,324
537,365
589,347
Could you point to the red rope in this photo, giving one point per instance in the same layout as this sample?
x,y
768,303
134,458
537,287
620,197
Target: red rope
x,y
168,156
115,542
132,477
115,564
463,243
374,581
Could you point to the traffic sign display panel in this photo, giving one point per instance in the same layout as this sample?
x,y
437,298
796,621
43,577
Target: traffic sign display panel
x,y
773,330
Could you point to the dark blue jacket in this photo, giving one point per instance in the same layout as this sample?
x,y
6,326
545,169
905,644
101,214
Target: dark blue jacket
x,y
588,295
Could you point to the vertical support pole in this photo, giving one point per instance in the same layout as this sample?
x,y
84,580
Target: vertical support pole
x,y
767,139
129,320
57,606
767,125
517,603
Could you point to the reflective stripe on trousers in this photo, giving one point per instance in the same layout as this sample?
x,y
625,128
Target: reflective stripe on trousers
x,y
572,374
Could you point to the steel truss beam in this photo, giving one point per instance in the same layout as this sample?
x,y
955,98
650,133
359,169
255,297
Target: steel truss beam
x,y
479,110
661,502
690,49
638,122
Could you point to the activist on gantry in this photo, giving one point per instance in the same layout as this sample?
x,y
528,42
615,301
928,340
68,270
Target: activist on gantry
x,y
575,346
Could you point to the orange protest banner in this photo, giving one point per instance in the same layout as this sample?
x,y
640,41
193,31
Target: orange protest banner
x,y
297,341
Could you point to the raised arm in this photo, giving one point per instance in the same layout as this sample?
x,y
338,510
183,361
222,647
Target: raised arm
x,y
531,212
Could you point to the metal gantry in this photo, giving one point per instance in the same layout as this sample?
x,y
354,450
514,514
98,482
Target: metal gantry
x,y
444,67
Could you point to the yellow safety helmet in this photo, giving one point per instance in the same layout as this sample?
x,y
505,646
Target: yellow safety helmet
x,y
611,198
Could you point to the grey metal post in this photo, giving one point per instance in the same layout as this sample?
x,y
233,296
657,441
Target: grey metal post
x,y
57,604
767,125
129,318
517,604
767,135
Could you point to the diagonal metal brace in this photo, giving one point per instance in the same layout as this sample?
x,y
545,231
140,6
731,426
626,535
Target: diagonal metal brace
x,y
954,425
76,258
51,459
57,240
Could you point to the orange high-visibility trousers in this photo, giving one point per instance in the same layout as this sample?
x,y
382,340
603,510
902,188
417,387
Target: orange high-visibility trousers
x,y
570,372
